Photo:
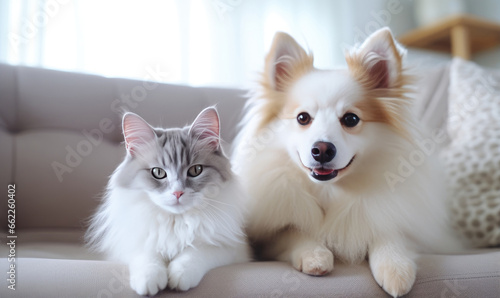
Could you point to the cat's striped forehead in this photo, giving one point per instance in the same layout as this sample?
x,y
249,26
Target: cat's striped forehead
x,y
176,148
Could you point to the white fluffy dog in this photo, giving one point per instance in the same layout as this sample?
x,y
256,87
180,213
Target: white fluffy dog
x,y
335,165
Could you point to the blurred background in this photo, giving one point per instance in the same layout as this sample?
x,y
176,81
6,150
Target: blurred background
x,y
209,42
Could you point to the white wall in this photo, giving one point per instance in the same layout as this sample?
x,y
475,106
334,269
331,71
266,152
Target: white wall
x,y
203,47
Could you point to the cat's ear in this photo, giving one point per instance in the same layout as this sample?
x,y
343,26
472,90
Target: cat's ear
x,y
206,128
137,132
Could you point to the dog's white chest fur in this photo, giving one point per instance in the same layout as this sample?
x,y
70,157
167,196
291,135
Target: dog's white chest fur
x,y
289,199
347,229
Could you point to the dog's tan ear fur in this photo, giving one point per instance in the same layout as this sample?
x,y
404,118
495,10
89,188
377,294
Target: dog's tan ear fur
x,y
286,62
377,66
377,63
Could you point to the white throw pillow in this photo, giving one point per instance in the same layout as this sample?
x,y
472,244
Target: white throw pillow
x,y
472,158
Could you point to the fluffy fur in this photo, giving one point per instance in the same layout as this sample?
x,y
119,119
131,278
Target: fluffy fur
x,y
174,229
380,197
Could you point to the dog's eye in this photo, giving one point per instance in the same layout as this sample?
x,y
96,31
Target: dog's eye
x,y
350,120
304,118
158,173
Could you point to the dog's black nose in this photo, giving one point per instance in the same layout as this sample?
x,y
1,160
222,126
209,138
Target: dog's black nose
x,y
323,152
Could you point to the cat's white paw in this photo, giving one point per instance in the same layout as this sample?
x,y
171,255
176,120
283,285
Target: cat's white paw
x,y
183,274
318,261
149,279
395,277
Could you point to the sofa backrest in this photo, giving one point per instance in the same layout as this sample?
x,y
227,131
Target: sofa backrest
x,y
60,135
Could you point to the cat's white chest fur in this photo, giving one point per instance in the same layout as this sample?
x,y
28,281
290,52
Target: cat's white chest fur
x,y
173,234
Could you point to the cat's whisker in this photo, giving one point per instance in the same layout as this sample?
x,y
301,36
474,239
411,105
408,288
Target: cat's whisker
x,y
218,208
228,227
223,215
222,203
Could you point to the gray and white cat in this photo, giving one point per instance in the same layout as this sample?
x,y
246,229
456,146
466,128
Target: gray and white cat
x,y
173,209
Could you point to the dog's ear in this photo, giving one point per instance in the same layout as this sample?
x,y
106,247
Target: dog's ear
x,y
377,63
285,61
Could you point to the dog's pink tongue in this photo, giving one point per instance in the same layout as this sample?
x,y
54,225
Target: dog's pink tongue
x,y
323,171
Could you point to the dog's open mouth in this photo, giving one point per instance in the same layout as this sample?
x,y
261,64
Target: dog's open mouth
x,y
325,174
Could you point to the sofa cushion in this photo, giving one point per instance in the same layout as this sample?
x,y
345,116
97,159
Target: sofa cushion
x,y
48,99
472,275
8,98
431,95
472,159
59,176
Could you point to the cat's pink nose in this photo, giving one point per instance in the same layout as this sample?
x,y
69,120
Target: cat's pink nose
x,y
178,194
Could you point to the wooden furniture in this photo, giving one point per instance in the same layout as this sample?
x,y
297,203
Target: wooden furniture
x,y
460,35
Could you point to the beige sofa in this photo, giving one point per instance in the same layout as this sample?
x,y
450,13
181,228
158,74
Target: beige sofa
x,y
60,139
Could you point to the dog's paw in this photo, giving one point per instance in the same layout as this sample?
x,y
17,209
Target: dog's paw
x,y
395,277
149,280
318,261
183,274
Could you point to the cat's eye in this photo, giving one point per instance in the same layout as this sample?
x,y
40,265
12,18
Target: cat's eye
x,y
195,170
303,118
350,120
158,173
